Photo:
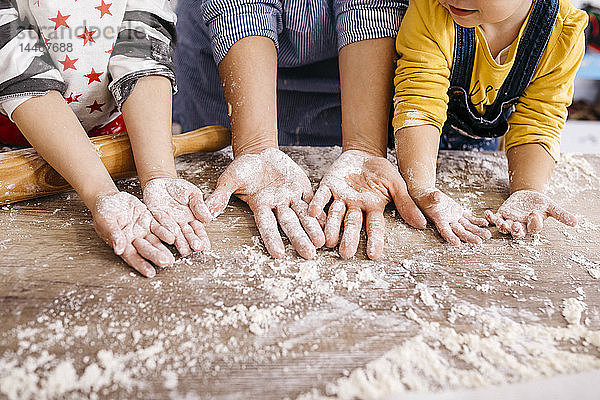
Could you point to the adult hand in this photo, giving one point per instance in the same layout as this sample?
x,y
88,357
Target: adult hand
x,y
525,211
360,182
178,206
454,223
125,223
277,190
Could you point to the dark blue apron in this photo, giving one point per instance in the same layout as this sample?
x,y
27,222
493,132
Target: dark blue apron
x,y
465,128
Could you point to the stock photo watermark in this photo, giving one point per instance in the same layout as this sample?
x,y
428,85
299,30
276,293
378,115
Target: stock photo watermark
x,y
62,40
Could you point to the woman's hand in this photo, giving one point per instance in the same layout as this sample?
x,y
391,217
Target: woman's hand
x,y
125,223
178,206
360,182
454,223
525,211
277,190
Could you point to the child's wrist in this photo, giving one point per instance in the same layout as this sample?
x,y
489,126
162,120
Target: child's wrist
x,y
155,174
418,191
531,187
92,197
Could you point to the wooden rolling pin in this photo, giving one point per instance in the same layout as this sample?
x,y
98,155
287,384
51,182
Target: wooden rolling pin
x,y
25,175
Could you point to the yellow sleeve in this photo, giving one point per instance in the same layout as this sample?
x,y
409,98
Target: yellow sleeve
x,y
425,45
542,109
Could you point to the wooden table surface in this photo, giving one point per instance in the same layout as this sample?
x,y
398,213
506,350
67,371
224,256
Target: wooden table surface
x,y
235,324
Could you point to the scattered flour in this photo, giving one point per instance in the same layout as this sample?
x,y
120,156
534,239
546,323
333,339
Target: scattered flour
x,y
498,350
258,320
572,309
283,310
594,272
426,295
591,267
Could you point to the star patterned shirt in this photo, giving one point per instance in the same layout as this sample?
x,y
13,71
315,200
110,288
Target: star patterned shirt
x,y
92,51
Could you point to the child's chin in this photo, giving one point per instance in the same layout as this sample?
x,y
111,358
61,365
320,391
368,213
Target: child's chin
x,y
464,22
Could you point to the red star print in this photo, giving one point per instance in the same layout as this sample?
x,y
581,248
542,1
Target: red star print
x,y
68,63
45,39
93,76
104,8
72,99
114,110
111,49
95,107
60,20
87,36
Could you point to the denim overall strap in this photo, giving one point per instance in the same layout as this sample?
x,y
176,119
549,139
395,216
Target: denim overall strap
x,y
464,56
463,117
458,132
532,45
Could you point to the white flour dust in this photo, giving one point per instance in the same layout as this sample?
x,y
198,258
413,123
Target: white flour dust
x,y
498,350
423,318
572,310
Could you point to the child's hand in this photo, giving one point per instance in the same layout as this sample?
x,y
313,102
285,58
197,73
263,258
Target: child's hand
x,y
125,223
360,182
276,189
178,206
454,223
524,213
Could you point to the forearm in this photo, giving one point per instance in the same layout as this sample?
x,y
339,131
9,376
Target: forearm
x,y
147,115
54,131
249,76
416,150
366,79
529,167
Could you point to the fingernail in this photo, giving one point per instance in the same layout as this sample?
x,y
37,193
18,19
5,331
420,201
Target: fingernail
x,y
278,253
344,253
371,253
311,253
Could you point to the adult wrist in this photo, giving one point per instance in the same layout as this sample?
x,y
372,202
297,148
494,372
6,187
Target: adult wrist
x,y
373,149
254,145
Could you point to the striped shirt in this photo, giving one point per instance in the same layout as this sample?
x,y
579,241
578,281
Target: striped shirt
x,y
308,35
92,51
304,31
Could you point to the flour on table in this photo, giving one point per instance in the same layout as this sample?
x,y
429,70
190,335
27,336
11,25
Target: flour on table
x,y
434,320
572,309
442,357
426,296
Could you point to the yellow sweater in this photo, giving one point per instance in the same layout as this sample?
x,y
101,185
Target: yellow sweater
x,y
425,44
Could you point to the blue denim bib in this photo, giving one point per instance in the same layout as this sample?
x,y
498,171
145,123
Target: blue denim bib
x,y
463,118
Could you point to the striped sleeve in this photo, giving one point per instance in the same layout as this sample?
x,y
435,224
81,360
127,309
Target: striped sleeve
x,y
231,20
358,20
144,46
26,69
